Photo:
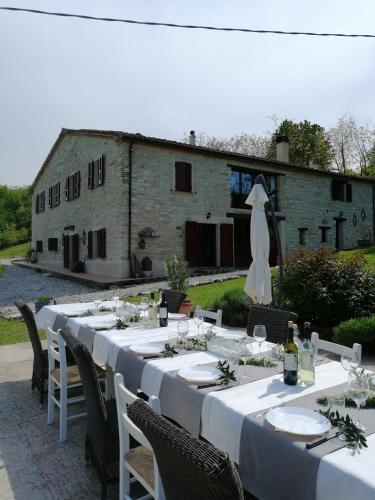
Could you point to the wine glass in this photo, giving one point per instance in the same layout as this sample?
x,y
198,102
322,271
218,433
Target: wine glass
x,y
116,298
198,318
97,304
349,362
143,307
358,388
182,327
259,334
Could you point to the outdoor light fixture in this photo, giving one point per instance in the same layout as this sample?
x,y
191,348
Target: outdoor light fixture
x,y
363,214
208,216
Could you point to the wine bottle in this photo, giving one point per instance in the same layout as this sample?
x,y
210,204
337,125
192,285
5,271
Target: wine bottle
x,y
307,358
152,311
163,311
290,358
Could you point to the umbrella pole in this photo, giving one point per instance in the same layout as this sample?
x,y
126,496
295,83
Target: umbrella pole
x,y
260,180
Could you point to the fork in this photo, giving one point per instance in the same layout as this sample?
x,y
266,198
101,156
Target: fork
x,y
257,415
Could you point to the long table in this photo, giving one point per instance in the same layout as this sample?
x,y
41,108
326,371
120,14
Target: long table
x,y
340,475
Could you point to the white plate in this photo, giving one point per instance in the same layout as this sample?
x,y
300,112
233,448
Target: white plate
x,y
72,314
199,374
298,421
147,349
232,335
176,316
102,326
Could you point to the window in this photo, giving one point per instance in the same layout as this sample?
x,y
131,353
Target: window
x,y
52,244
324,234
40,204
242,182
96,244
341,190
73,186
182,172
39,246
96,172
302,235
54,195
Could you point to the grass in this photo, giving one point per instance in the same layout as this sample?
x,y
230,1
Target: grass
x,y
204,295
14,251
2,270
369,254
13,331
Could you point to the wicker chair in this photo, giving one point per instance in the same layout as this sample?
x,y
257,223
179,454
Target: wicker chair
x,y
174,299
275,321
189,468
102,438
39,378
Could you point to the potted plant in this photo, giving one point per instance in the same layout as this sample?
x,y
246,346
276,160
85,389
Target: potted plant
x,y
178,282
43,300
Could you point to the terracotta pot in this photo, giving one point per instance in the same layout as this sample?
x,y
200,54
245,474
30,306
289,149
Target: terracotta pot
x,y
186,307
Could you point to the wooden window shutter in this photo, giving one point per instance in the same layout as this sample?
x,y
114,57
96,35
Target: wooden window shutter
x,y
43,203
71,186
37,204
89,245
39,246
348,192
101,235
50,197
101,171
67,191
57,194
226,245
77,184
91,175
191,243
182,176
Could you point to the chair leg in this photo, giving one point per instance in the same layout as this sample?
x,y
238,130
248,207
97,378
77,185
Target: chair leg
x,y
124,481
51,404
63,413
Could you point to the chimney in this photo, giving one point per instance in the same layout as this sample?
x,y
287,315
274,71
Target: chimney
x,y
282,148
192,138
314,163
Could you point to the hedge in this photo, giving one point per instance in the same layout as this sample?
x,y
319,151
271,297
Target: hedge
x,y
361,330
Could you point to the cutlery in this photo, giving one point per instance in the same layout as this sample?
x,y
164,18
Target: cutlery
x,y
321,440
257,415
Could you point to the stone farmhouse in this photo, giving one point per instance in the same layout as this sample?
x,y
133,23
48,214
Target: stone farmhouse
x,y
102,197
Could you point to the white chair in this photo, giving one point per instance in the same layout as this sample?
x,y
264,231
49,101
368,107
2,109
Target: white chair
x,y
65,377
354,352
216,316
140,461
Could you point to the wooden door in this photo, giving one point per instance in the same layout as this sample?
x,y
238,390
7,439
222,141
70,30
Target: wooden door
x,y
226,245
66,251
206,245
191,243
242,250
339,234
75,249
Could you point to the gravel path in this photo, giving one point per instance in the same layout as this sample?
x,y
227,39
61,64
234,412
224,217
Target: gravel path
x,y
23,283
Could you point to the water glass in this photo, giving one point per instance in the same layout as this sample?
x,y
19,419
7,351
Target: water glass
x,y
183,327
358,388
336,402
116,298
97,305
349,362
259,334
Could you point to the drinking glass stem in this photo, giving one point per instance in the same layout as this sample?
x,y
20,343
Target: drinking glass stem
x,y
358,422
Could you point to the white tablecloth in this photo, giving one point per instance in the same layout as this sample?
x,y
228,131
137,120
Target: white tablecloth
x,y
341,476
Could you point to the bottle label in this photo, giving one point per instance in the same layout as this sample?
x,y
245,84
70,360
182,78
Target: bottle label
x,y
163,313
290,361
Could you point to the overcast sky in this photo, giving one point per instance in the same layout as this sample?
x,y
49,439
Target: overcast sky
x,y
58,72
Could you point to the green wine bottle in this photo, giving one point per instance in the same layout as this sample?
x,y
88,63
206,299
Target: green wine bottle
x,y
290,358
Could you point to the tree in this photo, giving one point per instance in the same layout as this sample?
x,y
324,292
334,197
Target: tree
x,y
306,141
351,145
248,144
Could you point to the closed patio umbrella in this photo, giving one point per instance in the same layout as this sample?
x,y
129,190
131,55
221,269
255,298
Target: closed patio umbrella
x,y
258,282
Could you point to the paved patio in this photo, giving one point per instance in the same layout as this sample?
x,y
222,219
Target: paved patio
x,y
33,463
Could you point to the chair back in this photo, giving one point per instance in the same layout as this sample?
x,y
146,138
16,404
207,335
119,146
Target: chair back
x,y
275,321
189,468
56,352
216,316
354,352
94,401
28,317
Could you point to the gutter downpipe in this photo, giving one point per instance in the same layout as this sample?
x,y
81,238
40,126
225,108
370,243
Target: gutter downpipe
x,y
130,205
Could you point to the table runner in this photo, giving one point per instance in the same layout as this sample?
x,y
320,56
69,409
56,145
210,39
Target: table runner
x,y
292,472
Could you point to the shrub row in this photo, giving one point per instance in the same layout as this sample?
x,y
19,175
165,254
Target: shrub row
x,y
12,237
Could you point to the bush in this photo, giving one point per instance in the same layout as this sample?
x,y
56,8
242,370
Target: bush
x,y
178,277
12,237
235,306
361,330
322,288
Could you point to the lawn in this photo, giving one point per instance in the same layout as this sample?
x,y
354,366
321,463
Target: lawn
x,y
13,331
14,251
369,254
204,295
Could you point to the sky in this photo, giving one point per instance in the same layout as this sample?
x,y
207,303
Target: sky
x,y
163,82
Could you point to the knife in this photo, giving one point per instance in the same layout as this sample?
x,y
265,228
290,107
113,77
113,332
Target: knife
x,y
321,440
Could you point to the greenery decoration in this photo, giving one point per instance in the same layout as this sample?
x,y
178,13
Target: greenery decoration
x,y
349,403
227,375
354,437
134,318
178,277
265,363
169,351
44,298
121,325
